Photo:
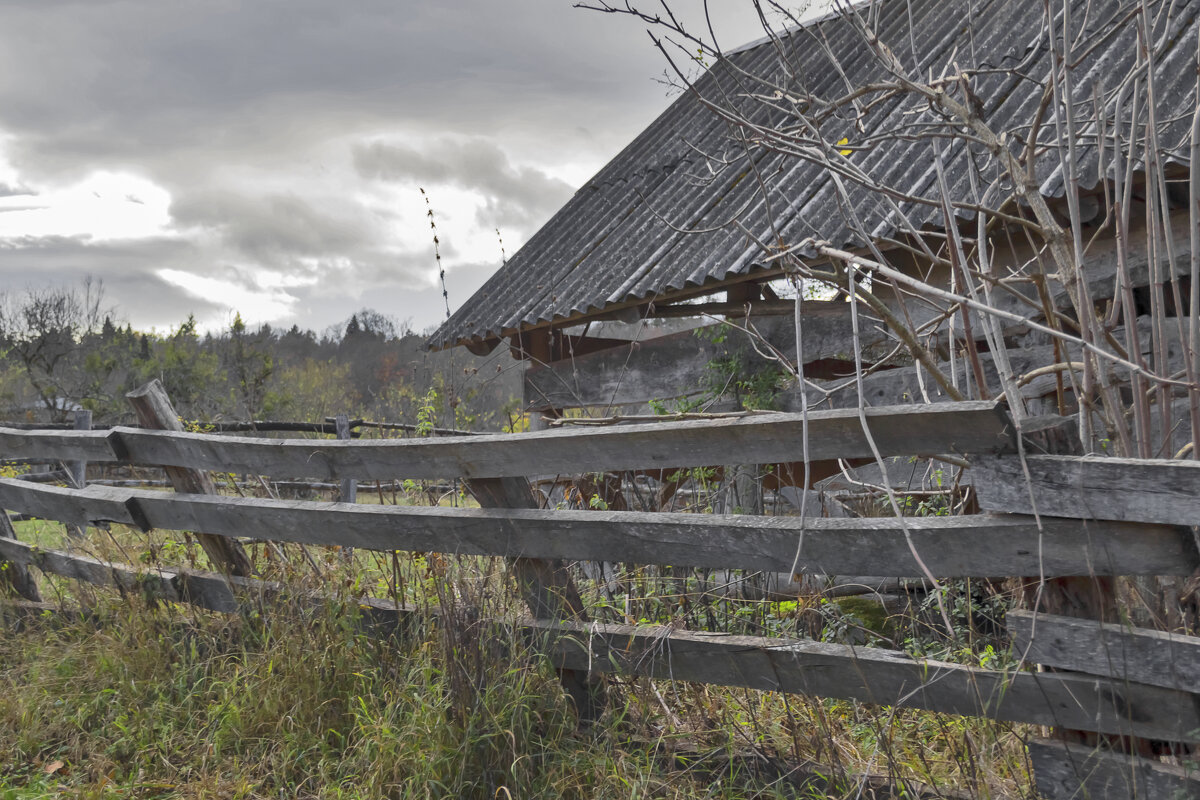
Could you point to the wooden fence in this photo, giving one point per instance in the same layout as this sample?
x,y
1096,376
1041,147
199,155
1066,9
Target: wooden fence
x,y
1095,518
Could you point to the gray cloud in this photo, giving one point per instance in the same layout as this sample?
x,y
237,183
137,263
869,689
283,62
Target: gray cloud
x,y
126,268
514,196
248,115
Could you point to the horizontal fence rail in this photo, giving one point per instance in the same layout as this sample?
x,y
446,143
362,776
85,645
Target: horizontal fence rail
x,y
882,677
977,545
963,428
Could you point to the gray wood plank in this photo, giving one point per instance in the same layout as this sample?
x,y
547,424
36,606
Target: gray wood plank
x,y
209,590
981,545
154,410
966,428
876,676
1117,651
56,445
1130,489
1076,772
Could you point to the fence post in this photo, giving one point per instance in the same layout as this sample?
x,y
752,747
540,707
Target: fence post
x,y
349,490
16,577
154,411
547,588
77,470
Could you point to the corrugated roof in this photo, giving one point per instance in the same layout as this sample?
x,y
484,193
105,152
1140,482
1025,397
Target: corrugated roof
x,y
627,235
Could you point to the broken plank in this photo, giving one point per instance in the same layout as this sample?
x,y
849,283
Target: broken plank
x,y
1140,655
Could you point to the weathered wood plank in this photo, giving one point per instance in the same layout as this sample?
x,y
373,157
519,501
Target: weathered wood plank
x,y
210,590
95,504
56,445
154,583
1076,772
154,410
969,428
1127,489
1147,656
981,545
876,676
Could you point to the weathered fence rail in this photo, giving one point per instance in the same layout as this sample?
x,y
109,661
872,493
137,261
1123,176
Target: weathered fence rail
x,y
1121,682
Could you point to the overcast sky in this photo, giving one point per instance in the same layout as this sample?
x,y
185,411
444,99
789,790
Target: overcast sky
x,y
265,156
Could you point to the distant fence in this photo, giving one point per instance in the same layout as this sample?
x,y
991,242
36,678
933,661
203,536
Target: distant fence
x,y
1095,519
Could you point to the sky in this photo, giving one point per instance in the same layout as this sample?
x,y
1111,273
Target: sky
x,y
266,157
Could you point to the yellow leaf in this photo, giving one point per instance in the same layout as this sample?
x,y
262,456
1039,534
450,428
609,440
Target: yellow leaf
x,y
841,142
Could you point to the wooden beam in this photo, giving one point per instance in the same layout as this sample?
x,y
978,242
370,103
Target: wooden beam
x,y
1066,771
14,575
1141,655
154,411
982,545
964,428
876,676
1130,489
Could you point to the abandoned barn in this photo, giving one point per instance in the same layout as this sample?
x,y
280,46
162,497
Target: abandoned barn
x,y
944,164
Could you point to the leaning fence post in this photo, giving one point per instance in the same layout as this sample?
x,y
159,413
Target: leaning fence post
x,y
154,411
14,576
547,588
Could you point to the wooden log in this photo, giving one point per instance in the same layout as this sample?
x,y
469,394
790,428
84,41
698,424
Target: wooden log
x,y
546,586
154,410
965,428
875,676
1140,655
1065,771
1130,489
978,545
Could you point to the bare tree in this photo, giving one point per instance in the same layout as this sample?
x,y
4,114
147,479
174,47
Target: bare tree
x,y
44,332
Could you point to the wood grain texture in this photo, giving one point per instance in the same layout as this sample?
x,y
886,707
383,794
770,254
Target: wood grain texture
x,y
980,545
876,676
154,410
1129,489
1147,656
1076,772
964,428
56,445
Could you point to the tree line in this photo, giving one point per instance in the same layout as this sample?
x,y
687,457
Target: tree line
x,y
62,349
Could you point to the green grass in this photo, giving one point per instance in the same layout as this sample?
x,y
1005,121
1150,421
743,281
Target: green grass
x,y
172,702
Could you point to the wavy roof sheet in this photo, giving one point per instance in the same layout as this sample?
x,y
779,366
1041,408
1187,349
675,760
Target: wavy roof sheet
x,y
683,205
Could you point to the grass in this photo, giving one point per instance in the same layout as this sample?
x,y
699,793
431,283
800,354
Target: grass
x,y
165,701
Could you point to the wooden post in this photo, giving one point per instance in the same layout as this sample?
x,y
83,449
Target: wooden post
x,y
77,470
348,493
349,490
547,588
16,578
154,410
